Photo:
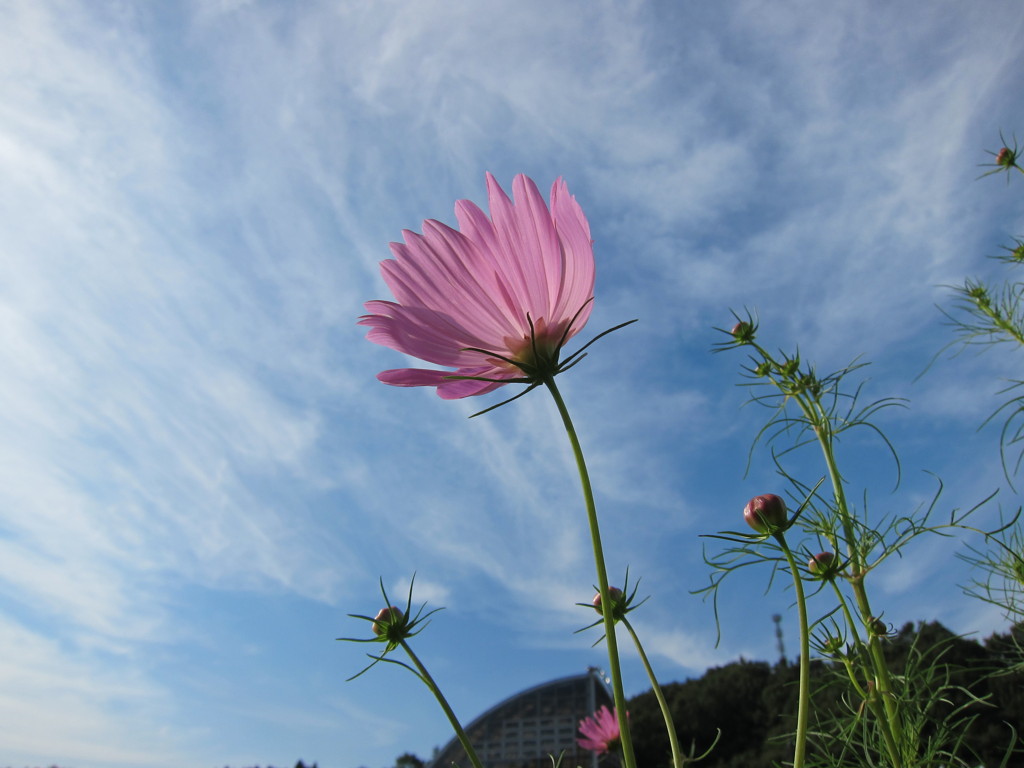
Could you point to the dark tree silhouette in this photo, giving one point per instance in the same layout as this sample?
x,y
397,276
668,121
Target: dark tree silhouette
x,y
754,703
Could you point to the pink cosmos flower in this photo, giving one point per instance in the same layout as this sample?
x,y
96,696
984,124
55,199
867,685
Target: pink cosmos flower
x,y
600,731
493,302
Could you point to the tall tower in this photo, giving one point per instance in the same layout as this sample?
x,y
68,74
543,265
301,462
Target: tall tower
x,y
777,618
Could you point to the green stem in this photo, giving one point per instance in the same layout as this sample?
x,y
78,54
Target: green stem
x,y
890,743
1001,322
883,680
461,734
602,577
867,661
890,723
858,645
804,707
677,753
817,417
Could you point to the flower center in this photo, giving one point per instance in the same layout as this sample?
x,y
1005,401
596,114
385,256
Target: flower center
x,y
535,357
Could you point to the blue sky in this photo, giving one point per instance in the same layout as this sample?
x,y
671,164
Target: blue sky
x,y
199,474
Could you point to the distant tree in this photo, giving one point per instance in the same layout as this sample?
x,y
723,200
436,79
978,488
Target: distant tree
x,y
408,760
736,698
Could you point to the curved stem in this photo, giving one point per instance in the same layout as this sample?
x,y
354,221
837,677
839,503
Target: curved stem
x,y
461,734
602,577
803,709
673,738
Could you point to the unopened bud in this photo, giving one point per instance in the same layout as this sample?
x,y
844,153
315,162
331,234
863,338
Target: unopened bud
x,y
616,596
386,618
743,332
765,513
824,565
877,627
1006,158
978,292
832,645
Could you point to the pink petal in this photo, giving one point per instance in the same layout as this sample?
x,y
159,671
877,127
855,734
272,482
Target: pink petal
x,y
574,234
447,388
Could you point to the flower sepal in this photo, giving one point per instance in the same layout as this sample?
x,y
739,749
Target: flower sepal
x,y
542,366
825,566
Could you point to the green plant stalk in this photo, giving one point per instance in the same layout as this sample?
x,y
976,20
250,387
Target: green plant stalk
x,y
602,577
1000,322
461,734
673,738
848,616
891,724
804,707
818,419
866,667
851,673
845,606
890,743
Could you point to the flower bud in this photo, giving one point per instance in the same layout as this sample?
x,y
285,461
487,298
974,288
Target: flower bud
x,y
1017,568
877,627
1006,158
824,565
765,513
743,332
386,618
832,645
614,593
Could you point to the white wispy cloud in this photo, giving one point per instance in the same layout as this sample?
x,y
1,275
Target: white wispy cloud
x,y
194,201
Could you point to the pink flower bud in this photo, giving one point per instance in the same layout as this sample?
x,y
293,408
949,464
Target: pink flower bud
x,y
1006,157
385,618
743,332
765,513
613,592
824,565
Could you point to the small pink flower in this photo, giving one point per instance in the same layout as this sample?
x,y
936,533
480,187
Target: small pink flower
x,y
494,301
600,731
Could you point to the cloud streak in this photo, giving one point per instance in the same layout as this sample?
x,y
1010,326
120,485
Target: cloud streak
x,y
194,201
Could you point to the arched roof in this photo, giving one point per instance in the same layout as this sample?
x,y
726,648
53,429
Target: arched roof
x,y
525,729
